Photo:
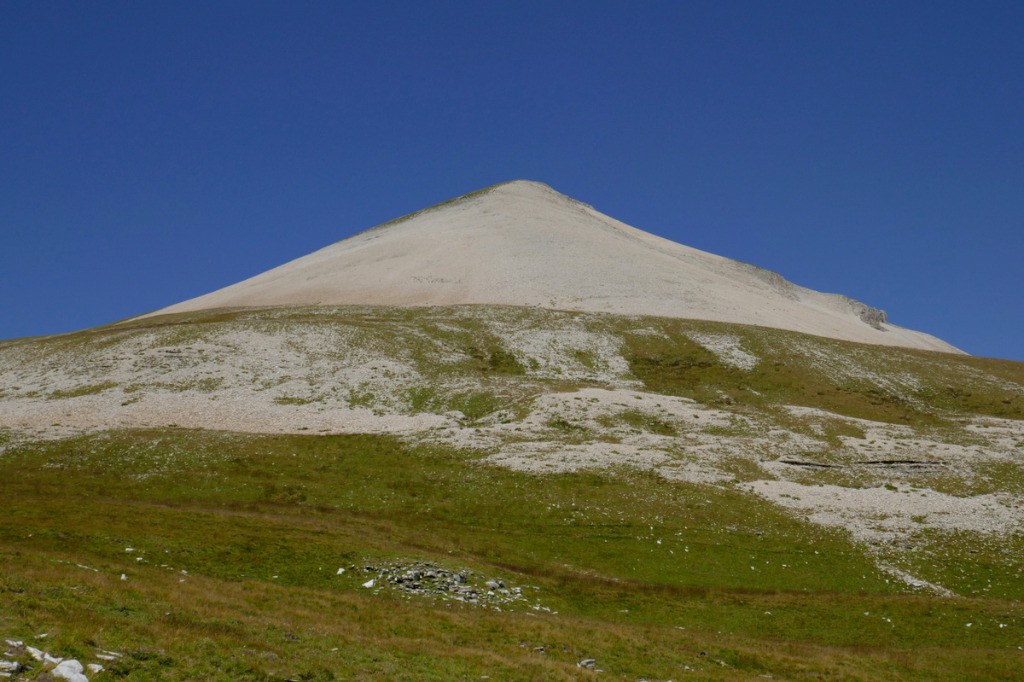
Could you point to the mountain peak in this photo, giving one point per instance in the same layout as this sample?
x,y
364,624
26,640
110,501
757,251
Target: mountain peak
x,y
522,243
525,184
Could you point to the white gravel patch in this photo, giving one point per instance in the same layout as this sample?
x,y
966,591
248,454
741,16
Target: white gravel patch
x,y
596,428
54,419
981,440
884,515
571,352
727,348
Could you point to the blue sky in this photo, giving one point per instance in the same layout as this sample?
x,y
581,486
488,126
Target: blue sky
x,y
151,152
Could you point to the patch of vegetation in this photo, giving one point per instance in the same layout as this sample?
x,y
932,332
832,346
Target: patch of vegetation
x,y
977,564
586,358
643,421
295,400
208,384
79,391
999,476
475,404
204,385
563,424
425,399
495,360
743,470
362,397
837,376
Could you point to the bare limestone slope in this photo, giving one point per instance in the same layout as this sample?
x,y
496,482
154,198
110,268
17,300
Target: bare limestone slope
x,y
522,243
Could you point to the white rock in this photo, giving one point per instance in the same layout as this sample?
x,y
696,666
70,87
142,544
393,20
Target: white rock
x,y
94,668
369,583
10,666
340,571
34,653
70,670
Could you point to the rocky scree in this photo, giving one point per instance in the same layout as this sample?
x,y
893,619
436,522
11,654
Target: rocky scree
x,y
426,579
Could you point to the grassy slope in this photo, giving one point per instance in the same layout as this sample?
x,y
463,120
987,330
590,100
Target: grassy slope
x,y
735,588
261,524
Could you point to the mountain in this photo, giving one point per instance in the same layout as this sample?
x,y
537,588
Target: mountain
x,y
267,483
522,243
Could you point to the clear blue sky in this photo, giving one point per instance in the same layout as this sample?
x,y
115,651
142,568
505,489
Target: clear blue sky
x,y
151,152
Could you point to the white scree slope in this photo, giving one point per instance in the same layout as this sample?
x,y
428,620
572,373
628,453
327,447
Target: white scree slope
x,y
522,243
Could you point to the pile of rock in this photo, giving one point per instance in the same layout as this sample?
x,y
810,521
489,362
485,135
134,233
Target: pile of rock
x,y
429,580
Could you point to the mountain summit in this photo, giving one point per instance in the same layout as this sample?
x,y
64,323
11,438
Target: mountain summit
x,y
521,243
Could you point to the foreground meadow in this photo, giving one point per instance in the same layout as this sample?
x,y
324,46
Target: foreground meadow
x,y
180,554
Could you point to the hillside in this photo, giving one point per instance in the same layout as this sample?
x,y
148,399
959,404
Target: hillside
x,y
378,492
523,244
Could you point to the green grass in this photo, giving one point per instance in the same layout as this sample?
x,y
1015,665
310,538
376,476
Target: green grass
x,y
978,564
640,421
474,405
791,371
644,574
